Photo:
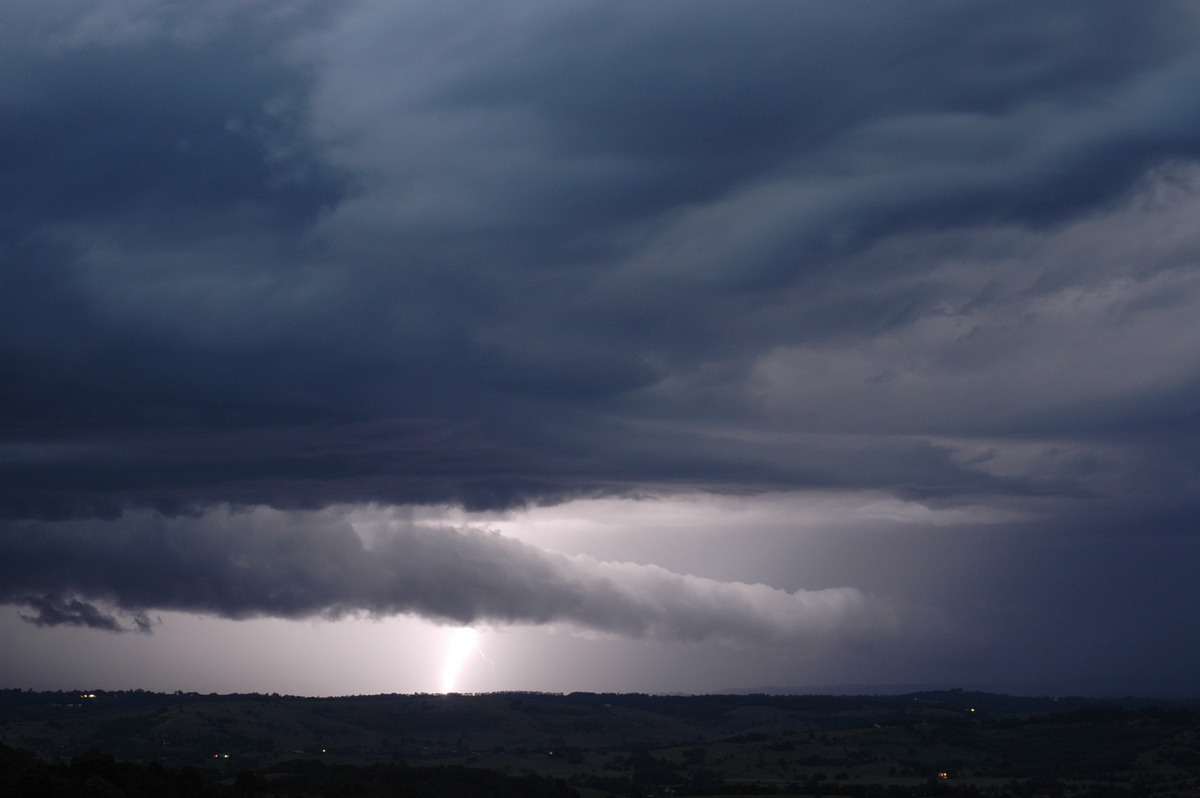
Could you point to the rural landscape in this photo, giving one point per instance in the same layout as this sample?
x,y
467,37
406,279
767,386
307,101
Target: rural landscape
x,y
599,399
593,745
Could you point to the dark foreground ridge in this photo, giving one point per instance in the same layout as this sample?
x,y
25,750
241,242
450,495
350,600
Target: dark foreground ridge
x,y
135,743
97,774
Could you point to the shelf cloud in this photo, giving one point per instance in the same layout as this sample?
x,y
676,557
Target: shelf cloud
x,y
298,565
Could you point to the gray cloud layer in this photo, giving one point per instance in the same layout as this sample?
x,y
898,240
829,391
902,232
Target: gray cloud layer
x,y
402,255
296,565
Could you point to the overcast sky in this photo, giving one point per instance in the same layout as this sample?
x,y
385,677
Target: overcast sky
x,y
669,346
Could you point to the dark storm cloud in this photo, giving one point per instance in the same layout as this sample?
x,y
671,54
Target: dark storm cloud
x,y
56,611
301,565
154,132
278,255
394,253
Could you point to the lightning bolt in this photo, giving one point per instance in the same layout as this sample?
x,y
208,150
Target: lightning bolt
x,y
461,644
483,657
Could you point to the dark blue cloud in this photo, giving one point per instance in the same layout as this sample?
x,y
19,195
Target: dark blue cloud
x,y
502,245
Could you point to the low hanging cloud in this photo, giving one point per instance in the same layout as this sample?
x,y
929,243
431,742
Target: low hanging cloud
x,y
54,610
268,563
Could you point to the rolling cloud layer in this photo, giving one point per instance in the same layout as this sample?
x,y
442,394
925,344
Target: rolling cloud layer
x,y
267,256
299,565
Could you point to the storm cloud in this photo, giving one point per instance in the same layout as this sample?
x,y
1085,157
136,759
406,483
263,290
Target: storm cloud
x,y
297,565
261,260
368,268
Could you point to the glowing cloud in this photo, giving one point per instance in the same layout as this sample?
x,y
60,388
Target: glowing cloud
x,y
268,563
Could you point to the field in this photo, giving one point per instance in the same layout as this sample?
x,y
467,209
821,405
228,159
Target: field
x,y
949,742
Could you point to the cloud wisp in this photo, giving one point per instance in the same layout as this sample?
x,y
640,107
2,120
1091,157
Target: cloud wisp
x,y
301,565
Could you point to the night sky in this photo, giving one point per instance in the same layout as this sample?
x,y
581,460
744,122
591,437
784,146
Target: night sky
x,y
668,346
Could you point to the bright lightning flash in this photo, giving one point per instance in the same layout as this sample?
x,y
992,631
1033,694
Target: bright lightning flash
x,y
460,645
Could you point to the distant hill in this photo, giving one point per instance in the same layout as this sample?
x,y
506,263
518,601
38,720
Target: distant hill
x,y
1031,689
